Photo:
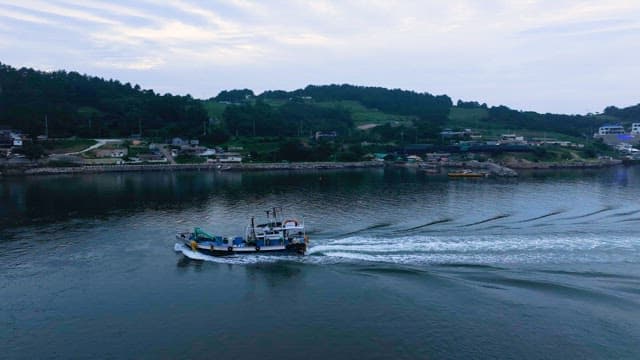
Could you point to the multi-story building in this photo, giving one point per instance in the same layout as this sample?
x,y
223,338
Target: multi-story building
x,y
608,129
635,128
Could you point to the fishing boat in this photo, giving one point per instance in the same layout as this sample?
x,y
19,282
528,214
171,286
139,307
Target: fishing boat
x,y
276,235
466,173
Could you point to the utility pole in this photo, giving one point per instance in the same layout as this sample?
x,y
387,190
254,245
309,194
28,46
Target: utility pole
x,y
140,127
46,127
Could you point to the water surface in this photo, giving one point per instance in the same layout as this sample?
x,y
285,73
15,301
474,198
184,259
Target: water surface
x,y
402,265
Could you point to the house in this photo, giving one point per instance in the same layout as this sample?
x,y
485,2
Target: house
x,y
608,129
9,138
17,138
438,157
448,133
379,156
511,139
207,152
230,157
325,135
153,158
192,150
111,153
176,141
194,142
466,133
614,134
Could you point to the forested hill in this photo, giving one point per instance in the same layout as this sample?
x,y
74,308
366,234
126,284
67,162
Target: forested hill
x,y
629,114
87,106
427,113
392,101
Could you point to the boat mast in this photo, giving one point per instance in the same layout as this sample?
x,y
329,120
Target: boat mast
x,y
253,229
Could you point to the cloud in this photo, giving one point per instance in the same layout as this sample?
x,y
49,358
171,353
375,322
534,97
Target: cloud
x,y
167,33
523,52
113,9
147,63
49,9
21,16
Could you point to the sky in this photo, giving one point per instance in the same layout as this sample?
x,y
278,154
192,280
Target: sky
x,y
562,56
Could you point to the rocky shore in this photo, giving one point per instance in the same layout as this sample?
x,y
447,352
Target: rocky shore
x,y
492,168
585,164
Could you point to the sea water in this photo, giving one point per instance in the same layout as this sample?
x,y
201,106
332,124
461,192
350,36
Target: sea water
x,y
401,265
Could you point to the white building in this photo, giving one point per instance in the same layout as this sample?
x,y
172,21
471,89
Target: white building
x,y
511,139
635,128
230,158
608,129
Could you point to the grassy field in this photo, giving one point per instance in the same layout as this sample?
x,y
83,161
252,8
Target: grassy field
x,y
467,118
258,144
64,146
214,108
363,115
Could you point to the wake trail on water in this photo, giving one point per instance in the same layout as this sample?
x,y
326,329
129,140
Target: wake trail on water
x,y
479,249
603,210
497,217
553,213
435,222
448,249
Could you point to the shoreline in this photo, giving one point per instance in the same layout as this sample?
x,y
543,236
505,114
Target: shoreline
x,y
43,170
237,167
519,165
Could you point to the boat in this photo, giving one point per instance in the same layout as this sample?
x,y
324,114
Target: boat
x,y
276,235
466,173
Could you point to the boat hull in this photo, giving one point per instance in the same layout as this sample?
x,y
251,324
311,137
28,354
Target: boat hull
x,y
214,250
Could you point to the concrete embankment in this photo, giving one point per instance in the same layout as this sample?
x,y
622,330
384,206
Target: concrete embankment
x,y
192,167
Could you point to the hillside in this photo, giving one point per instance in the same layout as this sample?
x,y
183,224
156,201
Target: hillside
x,y
628,114
86,106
